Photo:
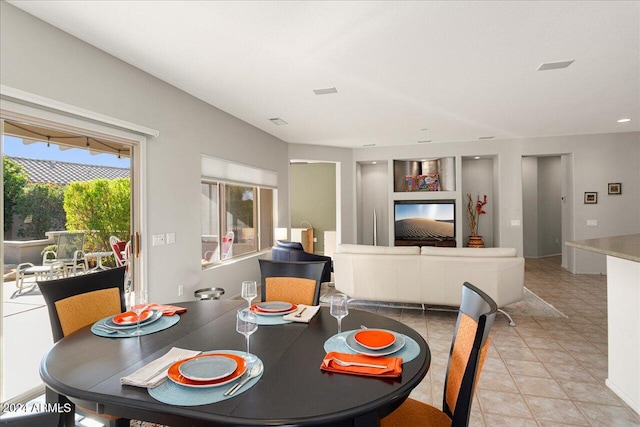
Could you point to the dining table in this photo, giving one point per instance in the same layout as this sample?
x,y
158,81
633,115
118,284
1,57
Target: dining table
x,y
293,390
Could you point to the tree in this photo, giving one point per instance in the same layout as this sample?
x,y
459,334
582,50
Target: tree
x,y
101,206
43,203
15,178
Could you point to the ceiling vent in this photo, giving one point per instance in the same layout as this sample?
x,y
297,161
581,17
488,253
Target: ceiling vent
x,y
278,121
554,65
326,91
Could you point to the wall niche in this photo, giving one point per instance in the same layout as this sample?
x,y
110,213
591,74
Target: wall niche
x,y
424,175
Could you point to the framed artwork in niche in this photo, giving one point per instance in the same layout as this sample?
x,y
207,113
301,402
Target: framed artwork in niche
x,y
615,188
590,197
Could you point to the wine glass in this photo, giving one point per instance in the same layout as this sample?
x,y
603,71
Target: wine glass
x,y
138,303
249,291
339,309
246,324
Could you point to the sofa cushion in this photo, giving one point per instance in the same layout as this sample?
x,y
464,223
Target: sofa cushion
x,y
469,252
386,250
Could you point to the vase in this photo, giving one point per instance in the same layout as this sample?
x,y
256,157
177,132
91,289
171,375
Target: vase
x,y
475,242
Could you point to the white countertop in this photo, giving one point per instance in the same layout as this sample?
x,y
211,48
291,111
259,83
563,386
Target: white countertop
x,y
626,247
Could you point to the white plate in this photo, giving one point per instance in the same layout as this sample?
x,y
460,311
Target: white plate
x,y
208,368
353,345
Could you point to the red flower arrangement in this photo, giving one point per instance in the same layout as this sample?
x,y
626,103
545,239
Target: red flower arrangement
x,y
474,210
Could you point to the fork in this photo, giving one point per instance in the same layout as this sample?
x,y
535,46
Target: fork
x,y
301,311
366,365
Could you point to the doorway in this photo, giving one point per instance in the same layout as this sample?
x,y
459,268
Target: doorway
x,y
545,183
49,159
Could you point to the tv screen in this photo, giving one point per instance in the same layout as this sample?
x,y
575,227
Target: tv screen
x,y
425,220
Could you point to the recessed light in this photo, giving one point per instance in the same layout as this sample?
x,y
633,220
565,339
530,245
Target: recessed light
x,y
486,137
624,120
477,157
374,163
424,129
424,141
325,91
369,145
278,121
554,65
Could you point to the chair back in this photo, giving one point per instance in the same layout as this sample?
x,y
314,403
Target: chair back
x,y
78,301
119,248
291,281
227,245
68,244
468,351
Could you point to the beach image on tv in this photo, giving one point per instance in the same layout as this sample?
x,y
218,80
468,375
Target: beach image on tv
x,y
424,221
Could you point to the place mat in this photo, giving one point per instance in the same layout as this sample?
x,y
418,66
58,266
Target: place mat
x,y
272,320
175,394
408,352
162,323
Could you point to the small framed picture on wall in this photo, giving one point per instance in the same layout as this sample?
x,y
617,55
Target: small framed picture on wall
x,y
590,197
615,188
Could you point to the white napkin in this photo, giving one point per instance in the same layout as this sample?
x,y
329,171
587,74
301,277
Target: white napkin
x,y
154,373
307,315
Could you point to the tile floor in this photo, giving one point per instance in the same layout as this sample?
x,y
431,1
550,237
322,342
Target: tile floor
x,y
545,371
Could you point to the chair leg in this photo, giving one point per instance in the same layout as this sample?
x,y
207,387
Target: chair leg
x,y
511,322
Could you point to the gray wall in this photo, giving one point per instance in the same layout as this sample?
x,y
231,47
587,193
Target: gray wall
x,y
374,181
530,206
43,60
477,180
313,198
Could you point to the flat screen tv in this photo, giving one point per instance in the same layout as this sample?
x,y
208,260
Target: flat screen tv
x,y
425,220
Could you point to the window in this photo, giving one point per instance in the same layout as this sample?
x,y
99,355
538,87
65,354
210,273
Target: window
x,y
236,220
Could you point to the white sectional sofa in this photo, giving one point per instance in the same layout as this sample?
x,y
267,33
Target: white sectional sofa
x,y
430,276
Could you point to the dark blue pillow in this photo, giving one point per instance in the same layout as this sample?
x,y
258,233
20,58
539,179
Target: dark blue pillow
x,y
290,245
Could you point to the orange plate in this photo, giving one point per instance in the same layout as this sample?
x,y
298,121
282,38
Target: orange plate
x,y
130,318
375,339
254,308
175,375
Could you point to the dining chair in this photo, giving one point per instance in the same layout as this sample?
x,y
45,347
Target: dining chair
x,y
78,301
469,348
297,282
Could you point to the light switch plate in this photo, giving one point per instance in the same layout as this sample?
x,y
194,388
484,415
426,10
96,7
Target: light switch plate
x,y
515,223
158,239
171,238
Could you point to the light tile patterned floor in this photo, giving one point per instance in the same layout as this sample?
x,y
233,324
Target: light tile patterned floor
x,y
542,372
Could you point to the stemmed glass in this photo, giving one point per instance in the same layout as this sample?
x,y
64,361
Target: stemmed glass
x,y
246,324
339,309
138,302
249,291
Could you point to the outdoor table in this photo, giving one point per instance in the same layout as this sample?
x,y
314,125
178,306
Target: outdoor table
x,y
98,256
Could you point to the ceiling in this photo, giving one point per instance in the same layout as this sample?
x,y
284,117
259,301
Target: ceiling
x,y
404,71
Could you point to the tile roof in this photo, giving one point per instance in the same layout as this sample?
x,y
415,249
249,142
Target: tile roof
x,y
54,171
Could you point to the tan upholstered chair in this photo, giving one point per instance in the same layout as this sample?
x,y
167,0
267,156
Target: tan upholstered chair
x,y
468,351
78,301
291,281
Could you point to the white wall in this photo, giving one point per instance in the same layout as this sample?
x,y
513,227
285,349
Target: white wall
x,y
530,206
374,182
43,60
477,180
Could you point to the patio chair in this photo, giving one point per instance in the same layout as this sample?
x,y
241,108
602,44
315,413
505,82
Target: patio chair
x,y
79,301
69,251
297,282
227,249
469,348
53,270
122,255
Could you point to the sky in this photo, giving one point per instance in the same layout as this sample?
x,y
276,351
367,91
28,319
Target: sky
x,y
437,211
14,147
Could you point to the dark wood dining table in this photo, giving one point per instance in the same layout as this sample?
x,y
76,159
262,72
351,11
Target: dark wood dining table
x,y
292,391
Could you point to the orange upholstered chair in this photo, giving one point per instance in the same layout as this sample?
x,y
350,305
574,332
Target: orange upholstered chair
x,y
468,350
297,282
79,301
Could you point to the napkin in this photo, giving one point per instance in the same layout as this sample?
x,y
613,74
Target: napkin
x,y
168,310
393,365
154,373
306,316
